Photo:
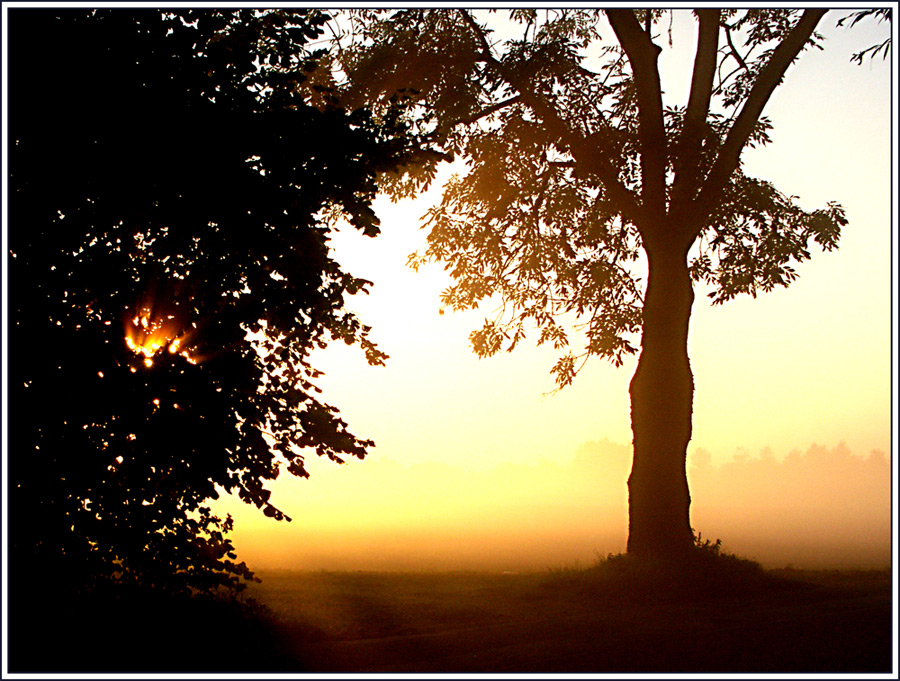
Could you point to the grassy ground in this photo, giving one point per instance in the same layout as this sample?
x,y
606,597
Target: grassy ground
x,y
134,632
580,621
613,618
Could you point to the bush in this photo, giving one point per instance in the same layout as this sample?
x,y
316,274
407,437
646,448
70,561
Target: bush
x,y
709,571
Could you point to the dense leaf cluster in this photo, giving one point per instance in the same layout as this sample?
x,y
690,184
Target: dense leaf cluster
x,y
169,277
549,215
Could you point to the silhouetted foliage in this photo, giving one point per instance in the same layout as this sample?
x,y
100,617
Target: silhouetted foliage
x,y
135,630
574,167
548,213
881,14
168,198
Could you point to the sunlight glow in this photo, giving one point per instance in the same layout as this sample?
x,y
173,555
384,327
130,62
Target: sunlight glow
x,y
472,455
146,334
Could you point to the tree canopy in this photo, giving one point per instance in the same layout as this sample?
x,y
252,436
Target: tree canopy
x,y
553,114
587,199
171,178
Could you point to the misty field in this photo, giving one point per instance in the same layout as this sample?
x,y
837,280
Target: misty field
x,y
568,621
565,620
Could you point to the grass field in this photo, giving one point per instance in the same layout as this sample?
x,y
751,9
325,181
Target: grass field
x,y
611,618
572,621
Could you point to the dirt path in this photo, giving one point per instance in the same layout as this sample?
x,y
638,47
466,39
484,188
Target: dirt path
x,y
469,622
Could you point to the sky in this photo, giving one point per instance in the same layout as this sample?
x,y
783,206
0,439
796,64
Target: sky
x,y
479,463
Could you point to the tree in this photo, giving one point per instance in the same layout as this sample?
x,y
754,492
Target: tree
x,y
578,177
169,277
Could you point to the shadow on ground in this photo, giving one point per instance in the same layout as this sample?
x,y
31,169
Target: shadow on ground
x,y
577,621
603,619
132,631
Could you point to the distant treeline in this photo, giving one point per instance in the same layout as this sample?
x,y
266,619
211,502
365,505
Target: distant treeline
x,y
824,507
820,508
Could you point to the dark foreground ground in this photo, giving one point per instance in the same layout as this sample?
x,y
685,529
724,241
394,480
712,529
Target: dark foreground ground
x,y
564,622
558,621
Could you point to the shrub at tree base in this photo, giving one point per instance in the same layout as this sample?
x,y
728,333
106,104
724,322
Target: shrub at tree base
x,y
707,572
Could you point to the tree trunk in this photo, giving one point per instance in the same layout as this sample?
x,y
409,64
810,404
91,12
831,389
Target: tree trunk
x,y
662,393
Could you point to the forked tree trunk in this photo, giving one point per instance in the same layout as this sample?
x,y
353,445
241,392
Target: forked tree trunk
x,y
661,405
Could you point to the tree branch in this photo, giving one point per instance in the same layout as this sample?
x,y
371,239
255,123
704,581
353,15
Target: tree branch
x,y
591,163
493,108
486,52
771,75
643,54
738,58
687,162
704,66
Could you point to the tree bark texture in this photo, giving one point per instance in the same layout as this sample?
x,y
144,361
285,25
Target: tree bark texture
x,y
662,393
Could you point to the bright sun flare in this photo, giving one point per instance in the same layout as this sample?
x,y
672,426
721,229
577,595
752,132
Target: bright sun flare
x,y
146,335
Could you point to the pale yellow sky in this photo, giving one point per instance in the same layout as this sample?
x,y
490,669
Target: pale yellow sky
x,y
803,365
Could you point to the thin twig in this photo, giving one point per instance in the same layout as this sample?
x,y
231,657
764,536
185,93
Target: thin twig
x,y
737,56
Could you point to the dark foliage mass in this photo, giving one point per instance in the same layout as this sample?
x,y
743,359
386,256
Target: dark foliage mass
x,y
166,199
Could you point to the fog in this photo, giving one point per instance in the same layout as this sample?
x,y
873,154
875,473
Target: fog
x,y
819,508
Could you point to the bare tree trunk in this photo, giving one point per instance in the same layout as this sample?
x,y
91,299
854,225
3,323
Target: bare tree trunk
x,y
661,406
